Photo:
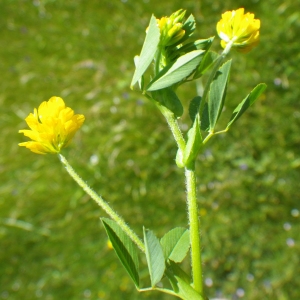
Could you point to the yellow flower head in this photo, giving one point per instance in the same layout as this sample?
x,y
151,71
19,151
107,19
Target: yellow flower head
x,y
171,28
52,125
242,30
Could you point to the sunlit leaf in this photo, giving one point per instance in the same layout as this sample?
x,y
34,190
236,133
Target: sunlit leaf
x,y
193,144
209,58
175,244
189,27
168,98
125,249
217,94
141,80
247,102
176,71
181,285
155,257
202,44
148,51
186,291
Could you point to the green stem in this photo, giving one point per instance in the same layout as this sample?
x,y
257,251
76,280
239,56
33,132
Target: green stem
x,y
98,199
211,134
192,204
173,124
194,230
222,131
166,291
207,138
158,58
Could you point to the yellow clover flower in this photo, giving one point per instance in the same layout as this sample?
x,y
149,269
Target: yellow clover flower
x,y
240,29
52,125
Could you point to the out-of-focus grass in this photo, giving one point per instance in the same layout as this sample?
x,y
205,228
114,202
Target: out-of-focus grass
x,y
52,242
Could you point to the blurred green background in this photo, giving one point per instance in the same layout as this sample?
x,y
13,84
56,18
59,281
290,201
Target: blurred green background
x,y
52,245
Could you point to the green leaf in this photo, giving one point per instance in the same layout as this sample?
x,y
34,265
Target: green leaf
x,y
186,291
176,71
189,27
194,107
208,60
172,270
217,94
168,98
155,257
180,284
205,118
175,244
247,102
124,248
193,144
141,80
176,269
202,44
148,51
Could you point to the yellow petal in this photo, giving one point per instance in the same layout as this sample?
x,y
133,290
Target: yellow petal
x,y
52,125
240,29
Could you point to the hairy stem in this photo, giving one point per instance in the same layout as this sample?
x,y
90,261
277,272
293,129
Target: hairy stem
x,y
194,230
104,205
173,124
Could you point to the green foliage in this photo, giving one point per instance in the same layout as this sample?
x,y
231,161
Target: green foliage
x,y
155,257
246,103
169,99
217,94
189,27
175,244
209,58
202,44
177,71
186,291
125,249
181,284
194,144
148,51
141,80
194,107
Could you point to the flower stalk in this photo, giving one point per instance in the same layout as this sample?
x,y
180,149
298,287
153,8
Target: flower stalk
x,y
99,200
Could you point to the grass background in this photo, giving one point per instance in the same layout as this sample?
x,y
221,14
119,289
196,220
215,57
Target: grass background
x,y
52,245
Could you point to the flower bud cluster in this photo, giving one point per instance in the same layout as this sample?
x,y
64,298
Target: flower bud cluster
x,y
171,28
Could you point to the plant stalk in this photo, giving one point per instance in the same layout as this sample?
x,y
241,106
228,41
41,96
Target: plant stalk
x,y
104,205
174,127
194,223
192,207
